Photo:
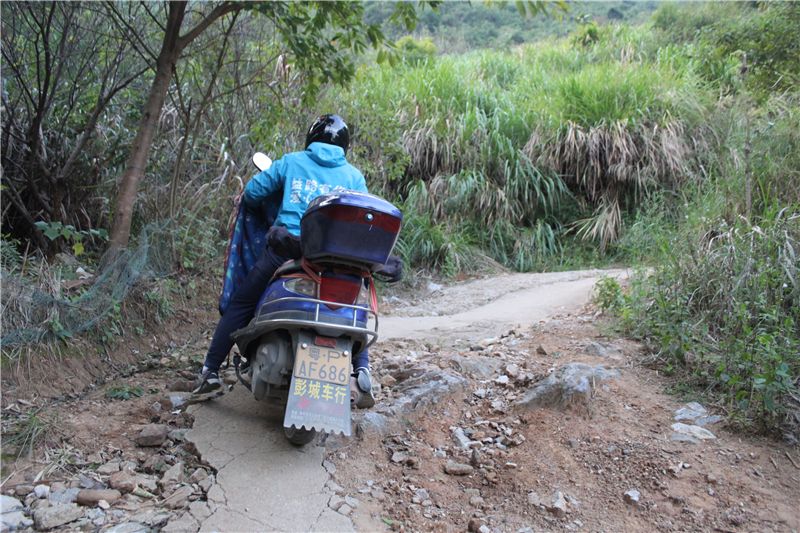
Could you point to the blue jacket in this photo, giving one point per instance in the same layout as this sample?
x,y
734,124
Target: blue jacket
x,y
302,176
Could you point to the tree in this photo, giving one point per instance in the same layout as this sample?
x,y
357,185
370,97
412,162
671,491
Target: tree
x,y
60,76
320,36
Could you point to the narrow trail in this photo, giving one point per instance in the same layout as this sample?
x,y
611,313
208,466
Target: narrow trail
x,y
263,483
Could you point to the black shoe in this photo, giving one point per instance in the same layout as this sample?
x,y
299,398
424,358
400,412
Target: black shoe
x,y
361,393
207,382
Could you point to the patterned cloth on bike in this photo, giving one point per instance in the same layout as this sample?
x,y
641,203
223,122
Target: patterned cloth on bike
x,y
248,237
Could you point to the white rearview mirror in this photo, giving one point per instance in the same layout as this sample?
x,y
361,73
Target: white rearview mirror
x,y
261,161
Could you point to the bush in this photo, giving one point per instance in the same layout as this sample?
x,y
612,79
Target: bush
x,y
415,51
725,308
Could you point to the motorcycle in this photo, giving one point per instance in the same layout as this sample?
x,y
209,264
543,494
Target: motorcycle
x,y
318,312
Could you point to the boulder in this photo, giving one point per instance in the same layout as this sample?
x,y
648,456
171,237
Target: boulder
x,y
179,498
56,515
8,504
152,435
14,520
457,469
123,481
690,433
91,497
429,388
568,386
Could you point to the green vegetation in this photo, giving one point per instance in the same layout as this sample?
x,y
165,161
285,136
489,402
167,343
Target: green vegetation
x,y
125,392
457,27
672,145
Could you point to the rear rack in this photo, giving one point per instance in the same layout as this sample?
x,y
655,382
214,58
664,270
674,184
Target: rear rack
x,y
317,321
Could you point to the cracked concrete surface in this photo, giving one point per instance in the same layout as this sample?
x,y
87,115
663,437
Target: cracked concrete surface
x,y
263,483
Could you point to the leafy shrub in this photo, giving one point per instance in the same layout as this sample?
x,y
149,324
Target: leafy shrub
x,y
415,51
726,308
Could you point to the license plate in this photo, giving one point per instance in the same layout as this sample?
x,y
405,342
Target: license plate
x,y
319,393
321,363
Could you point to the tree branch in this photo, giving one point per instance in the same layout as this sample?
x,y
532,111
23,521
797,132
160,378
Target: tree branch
x,y
217,12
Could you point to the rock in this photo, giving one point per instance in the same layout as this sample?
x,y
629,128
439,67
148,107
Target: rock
x,y
148,483
8,504
707,420
540,350
484,529
686,433
334,487
345,510
632,497
179,498
558,505
199,510
569,385
502,380
14,520
457,469
353,502
534,499
123,481
90,497
474,525
178,435
41,491
109,468
329,467
335,502
171,477
155,408
512,370
429,388
152,435
711,479
87,482
601,349
478,366
461,439
690,411
206,483
128,527
378,494
198,475
182,524
57,515
152,517
399,457
63,496
371,424
155,463
388,381
480,393
476,501
23,490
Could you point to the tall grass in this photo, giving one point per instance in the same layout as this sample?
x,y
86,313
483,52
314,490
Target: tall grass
x,y
519,151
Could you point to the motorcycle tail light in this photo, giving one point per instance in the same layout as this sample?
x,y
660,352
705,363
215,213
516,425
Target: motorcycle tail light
x,y
340,289
302,286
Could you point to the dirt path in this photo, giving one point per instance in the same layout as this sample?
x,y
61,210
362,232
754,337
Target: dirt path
x,y
266,484
454,442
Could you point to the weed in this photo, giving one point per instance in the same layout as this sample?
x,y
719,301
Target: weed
x,y
125,392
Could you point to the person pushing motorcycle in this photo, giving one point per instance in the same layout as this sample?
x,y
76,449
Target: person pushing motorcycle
x,y
298,178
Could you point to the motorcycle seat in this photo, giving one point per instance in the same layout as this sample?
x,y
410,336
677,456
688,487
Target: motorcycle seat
x,y
291,266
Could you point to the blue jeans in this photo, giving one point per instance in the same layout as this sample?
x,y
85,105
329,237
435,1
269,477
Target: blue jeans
x,y
242,307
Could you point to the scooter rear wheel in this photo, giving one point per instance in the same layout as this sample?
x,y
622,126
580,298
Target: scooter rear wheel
x,y
299,437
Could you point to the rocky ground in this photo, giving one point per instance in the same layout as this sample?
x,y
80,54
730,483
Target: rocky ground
x,y
544,426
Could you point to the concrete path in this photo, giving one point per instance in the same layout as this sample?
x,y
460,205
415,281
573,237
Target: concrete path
x,y
266,484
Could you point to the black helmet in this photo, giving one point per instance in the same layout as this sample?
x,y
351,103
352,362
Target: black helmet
x,y
329,129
